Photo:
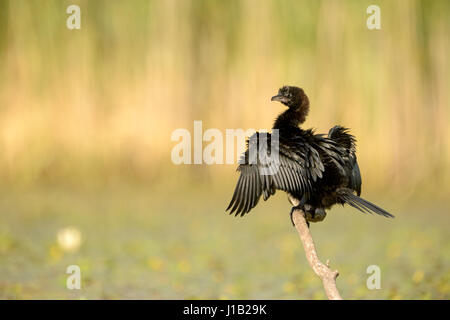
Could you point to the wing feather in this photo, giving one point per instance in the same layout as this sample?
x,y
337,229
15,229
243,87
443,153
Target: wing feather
x,y
300,165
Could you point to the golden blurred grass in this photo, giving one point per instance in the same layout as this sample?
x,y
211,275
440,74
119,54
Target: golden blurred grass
x,y
99,104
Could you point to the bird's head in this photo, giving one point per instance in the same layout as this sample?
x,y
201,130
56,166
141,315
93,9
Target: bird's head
x,y
293,97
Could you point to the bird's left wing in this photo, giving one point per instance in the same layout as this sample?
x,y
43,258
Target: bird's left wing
x,y
295,170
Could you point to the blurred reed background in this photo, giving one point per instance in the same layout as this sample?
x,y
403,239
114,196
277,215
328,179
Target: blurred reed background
x,y
85,110
100,103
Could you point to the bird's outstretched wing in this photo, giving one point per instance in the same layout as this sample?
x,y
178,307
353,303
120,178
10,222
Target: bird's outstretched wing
x,y
347,141
300,163
355,177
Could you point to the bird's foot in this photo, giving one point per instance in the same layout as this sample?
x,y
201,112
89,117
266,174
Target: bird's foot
x,y
311,214
316,215
307,209
292,212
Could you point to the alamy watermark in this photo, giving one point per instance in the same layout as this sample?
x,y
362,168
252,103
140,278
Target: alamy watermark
x,y
74,20
373,22
190,150
74,280
374,280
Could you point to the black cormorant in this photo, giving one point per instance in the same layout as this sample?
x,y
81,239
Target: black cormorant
x,y
318,170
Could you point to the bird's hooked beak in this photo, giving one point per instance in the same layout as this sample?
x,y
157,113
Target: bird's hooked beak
x,y
281,98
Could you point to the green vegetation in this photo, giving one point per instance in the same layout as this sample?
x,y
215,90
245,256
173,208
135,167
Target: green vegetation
x,y
136,244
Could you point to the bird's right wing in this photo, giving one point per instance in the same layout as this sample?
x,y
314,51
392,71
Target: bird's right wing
x,y
347,141
295,171
355,177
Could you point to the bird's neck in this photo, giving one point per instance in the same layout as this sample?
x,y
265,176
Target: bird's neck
x,y
291,118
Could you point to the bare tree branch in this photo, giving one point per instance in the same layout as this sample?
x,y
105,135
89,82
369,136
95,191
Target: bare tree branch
x,y
327,276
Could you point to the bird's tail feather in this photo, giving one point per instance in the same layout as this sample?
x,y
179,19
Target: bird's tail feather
x,y
363,205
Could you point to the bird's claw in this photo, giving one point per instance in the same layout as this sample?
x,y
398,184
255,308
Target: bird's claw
x,y
291,214
299,207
